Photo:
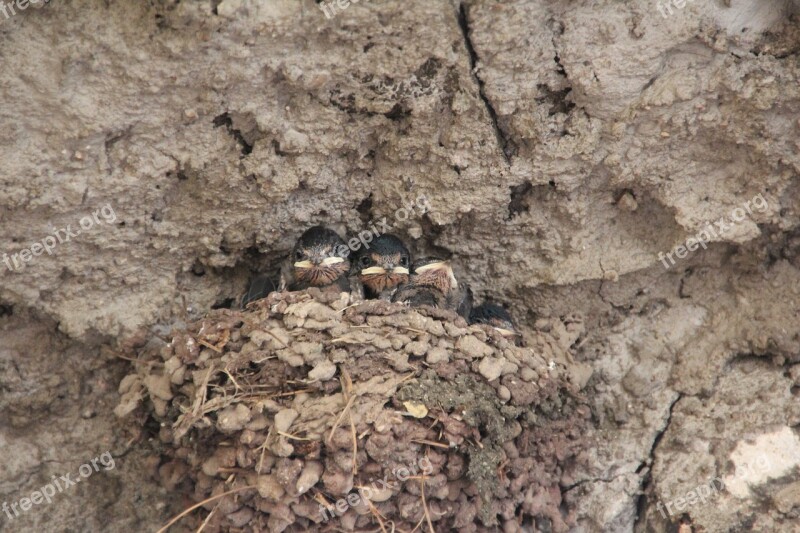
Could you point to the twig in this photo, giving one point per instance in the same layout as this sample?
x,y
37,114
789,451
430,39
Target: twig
x,y
347,388
209,345
238,388
425,504
431,443
376,514
205,522
263,449
202,503
355,443
339,420
418,524
293,437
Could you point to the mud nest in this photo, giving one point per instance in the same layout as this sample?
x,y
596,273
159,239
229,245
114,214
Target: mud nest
x,y
316,414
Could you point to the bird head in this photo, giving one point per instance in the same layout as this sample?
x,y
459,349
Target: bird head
x,y
435,272
320,257
384,264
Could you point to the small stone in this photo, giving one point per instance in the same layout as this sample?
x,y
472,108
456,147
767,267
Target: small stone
x,y
491,367
159,386
269,488
323,371
509,368
472,347
284,419
417,348
627,202
437,355
233,418
312,471
503,393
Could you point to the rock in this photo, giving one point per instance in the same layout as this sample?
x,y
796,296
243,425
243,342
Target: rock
x,y
284,419
323,371
437,355
159,386
312,471
473,347
233,418
491,368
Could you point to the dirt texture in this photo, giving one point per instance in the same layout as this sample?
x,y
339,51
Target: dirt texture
x,y
564,149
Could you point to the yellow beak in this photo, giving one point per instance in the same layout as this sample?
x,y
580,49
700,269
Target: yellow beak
x,y
373,270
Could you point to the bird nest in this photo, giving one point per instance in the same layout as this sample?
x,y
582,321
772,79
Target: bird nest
x,y
305,412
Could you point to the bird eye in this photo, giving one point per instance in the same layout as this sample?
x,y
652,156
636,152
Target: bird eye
x,y
365,261
298,255
404,261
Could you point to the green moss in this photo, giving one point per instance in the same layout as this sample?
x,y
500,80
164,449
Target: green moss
x,y
479,407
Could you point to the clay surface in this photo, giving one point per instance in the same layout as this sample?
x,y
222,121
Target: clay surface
x,y
165,151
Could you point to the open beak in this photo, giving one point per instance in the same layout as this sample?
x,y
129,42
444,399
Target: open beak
x,y
328,261
373,270
507,332
440,266
381,270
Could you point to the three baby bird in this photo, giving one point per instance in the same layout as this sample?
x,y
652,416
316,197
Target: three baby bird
x,y
383,270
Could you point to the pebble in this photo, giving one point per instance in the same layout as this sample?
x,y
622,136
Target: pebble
x,y
491,367
284,419
437,355
503,393
323,371
472,347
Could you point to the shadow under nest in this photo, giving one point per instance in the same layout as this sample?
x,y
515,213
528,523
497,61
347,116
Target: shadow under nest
x,y
307,412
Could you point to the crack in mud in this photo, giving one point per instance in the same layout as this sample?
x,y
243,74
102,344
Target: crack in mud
x,y
648,477
506,146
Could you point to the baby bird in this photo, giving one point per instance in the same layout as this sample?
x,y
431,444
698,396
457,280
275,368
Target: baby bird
x,y
433,283
382,267
319,259
498,317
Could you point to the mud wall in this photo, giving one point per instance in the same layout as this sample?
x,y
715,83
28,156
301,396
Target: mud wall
x,y
160,152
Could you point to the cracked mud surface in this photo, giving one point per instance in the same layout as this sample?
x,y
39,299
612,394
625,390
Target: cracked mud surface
x,y
562,147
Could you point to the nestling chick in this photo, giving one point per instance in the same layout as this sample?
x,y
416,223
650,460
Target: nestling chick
x,y
383,266
433,283
498,317
319,259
